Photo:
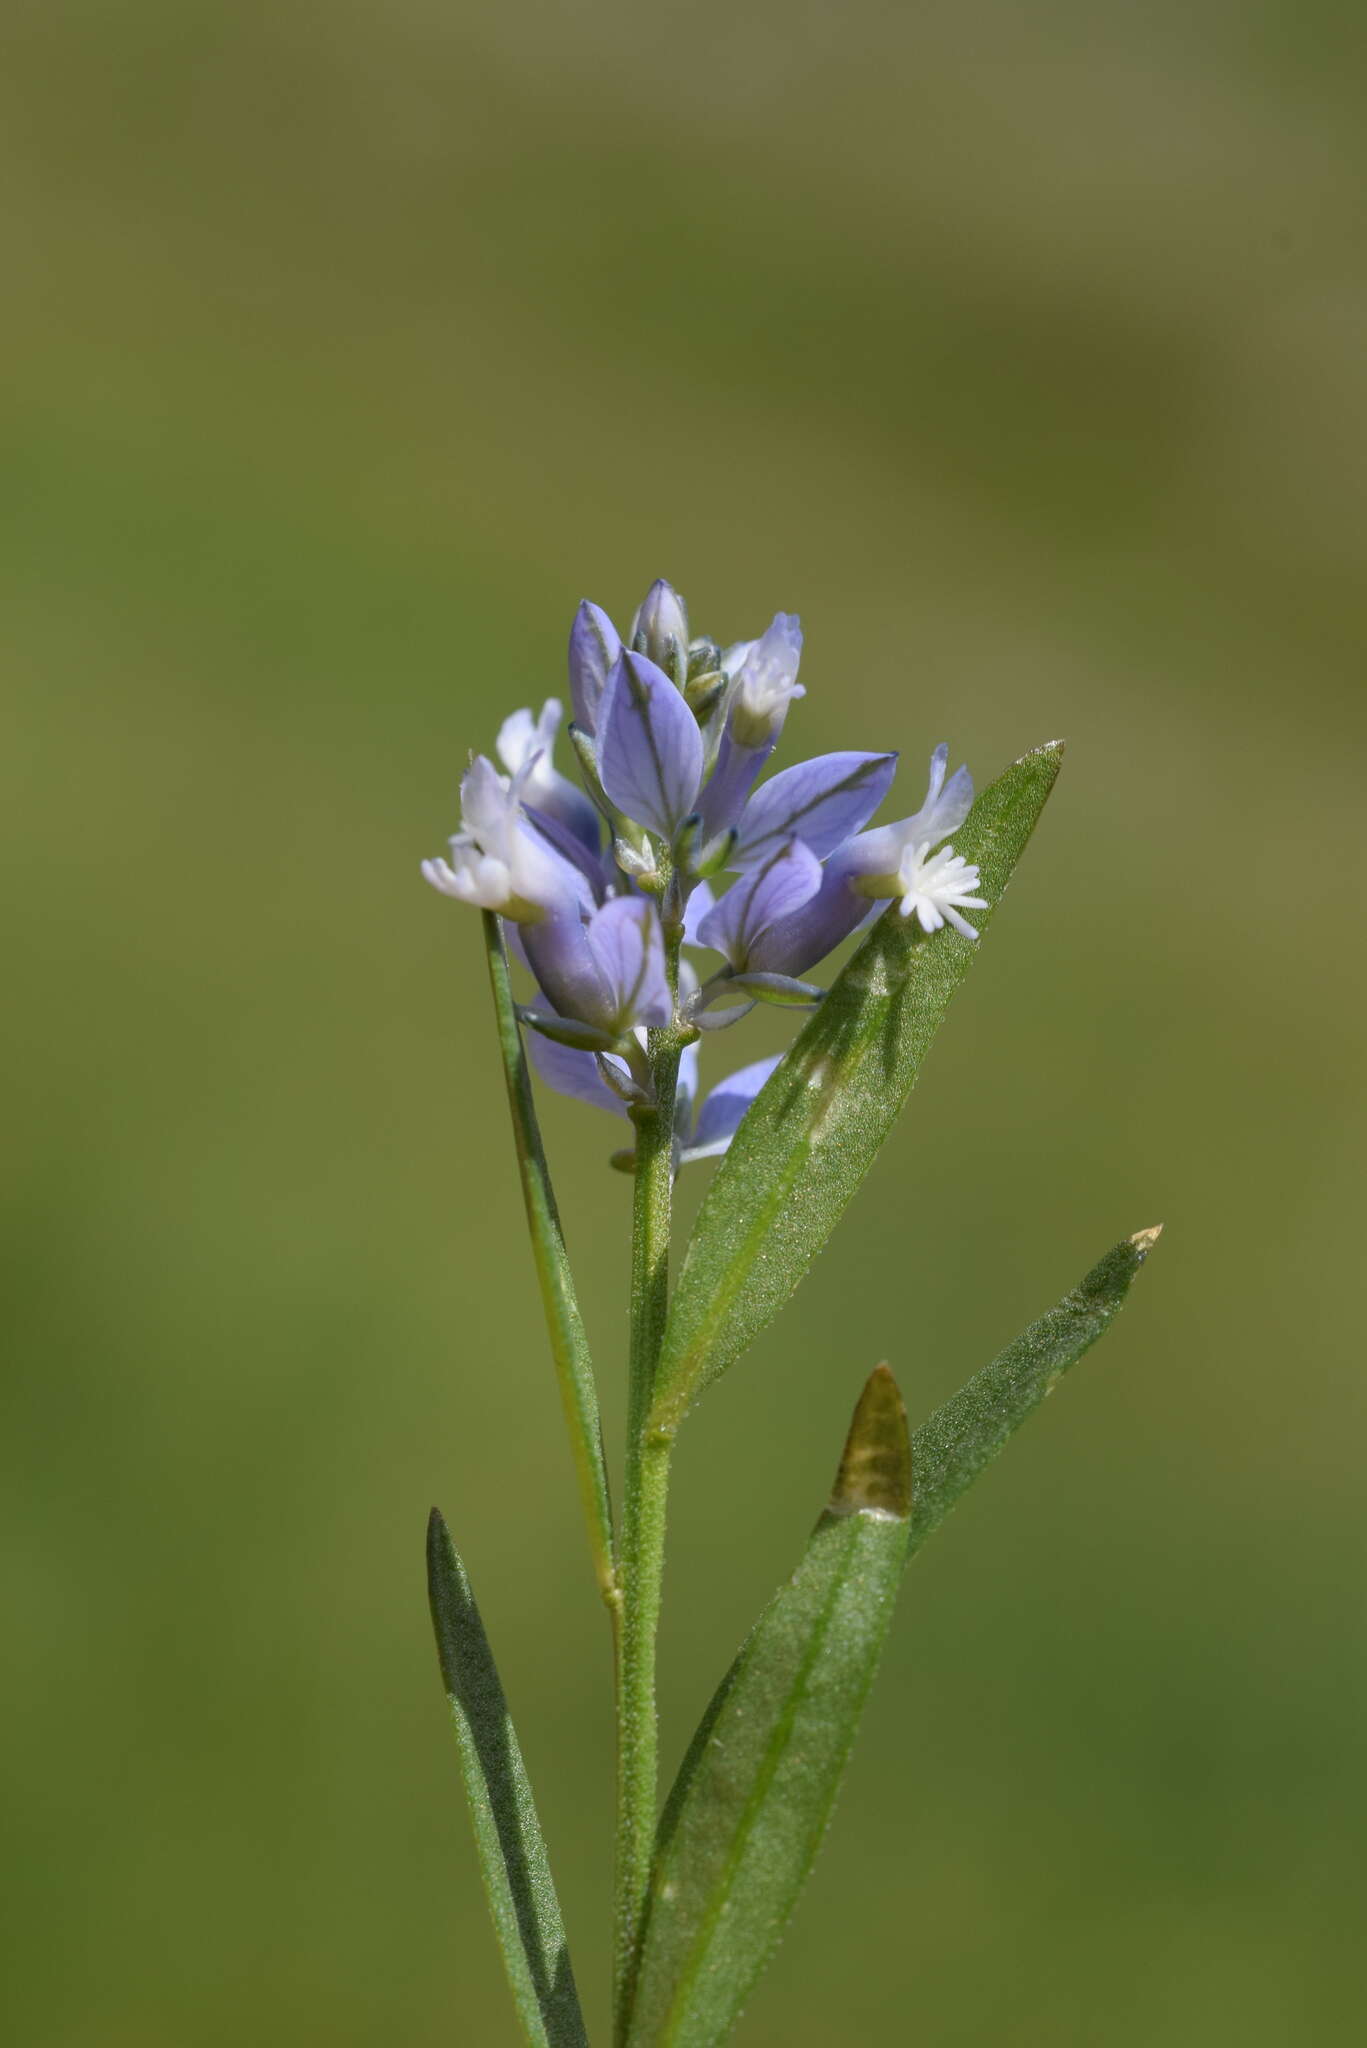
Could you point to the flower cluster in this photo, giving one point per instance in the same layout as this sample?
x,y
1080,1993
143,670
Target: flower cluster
x,y
606,885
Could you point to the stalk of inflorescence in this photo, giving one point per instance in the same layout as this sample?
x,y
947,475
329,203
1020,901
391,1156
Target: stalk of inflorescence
x,y
641,1565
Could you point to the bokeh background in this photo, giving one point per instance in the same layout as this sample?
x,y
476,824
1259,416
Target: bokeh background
x,y
347,347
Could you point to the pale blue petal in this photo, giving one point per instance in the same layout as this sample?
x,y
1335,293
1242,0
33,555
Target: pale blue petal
x,y
764,895
794,944
946,806
594,647
627,944
696,909
727,1103
572,1073
823,801
560,957
686,1092
573,846
650,751
730,783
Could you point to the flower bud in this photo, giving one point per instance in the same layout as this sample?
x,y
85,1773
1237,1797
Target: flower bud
x,y
660,630
767,684
703,656
703,693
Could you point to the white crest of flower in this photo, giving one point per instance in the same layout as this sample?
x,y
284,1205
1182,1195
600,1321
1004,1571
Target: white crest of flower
x,y
935,887
767,683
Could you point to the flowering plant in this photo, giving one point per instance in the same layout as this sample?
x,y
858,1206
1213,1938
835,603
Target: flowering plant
x,y
605,890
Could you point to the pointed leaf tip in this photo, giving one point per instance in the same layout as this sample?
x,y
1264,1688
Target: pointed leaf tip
x,y
816,1125
875,1466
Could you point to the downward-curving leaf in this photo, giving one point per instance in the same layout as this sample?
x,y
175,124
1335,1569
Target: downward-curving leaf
x,y
816,1126
755,1791
512,1855
951,1449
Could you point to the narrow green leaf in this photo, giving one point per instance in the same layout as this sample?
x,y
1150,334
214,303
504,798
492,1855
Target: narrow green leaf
x,y
815,1127
564,1324
512,1854
951,1449
722,1885
754,1793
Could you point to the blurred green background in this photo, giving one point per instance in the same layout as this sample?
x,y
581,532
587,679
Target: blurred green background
x,y
347,347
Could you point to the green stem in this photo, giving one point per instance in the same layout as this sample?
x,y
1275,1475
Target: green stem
x,y
643,1517
565,1325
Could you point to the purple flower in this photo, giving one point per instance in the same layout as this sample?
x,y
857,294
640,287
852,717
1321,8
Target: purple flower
x,y
526,748
650,751
498,860
764,685
868,871
767,684
767,894
607,969
793,944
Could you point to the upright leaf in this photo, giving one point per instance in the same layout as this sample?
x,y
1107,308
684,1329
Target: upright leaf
x,y
512,1854
815,1128
963,1436
755,1791
564,1324
745,1816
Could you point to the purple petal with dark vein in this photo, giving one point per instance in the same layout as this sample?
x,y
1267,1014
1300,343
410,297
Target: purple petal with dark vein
x,y
729,784
594,647
627,943
763,895
727,1103
650,751
560,957
796,943
822,801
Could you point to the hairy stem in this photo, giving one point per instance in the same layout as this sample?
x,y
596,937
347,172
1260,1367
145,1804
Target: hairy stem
x,y
643,1517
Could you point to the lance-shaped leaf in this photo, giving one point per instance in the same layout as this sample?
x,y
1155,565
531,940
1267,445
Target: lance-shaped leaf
x,y
816,1127
512,1854
963,1436
754,1793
